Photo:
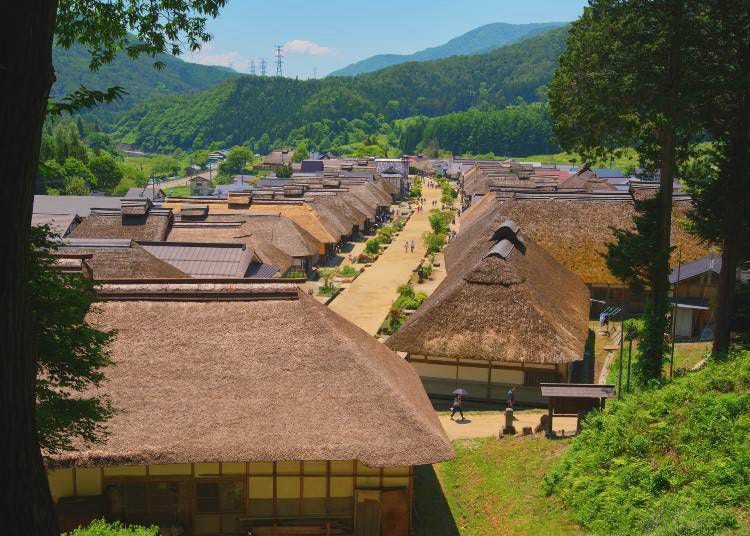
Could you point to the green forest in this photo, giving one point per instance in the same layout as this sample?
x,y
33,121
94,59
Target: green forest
x,y
332,113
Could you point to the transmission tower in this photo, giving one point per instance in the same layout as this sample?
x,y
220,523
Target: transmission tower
x,y
263,66
279,61
252,67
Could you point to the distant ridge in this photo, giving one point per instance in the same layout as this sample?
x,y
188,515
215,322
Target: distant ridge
x,y
479,40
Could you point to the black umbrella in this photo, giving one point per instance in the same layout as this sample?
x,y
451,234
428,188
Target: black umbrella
x,y
462,392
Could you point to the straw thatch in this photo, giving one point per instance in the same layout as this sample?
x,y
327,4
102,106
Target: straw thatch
x,y
142,224
252,372
117,262
587,180
238,233
333,213
574,230
505,300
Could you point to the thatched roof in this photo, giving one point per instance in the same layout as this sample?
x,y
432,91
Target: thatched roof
x,y
332,213
252,372
278,157
59,224
119,259
238,232
506,300
587,180
573,229
133,222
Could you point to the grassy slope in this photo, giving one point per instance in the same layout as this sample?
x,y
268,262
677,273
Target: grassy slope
x,y
491,488
686,356
628,158
672,461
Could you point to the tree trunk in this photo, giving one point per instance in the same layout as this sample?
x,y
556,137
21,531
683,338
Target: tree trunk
x,y
26,75
735,191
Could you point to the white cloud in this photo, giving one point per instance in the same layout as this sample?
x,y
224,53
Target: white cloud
x,y
300,46
208,56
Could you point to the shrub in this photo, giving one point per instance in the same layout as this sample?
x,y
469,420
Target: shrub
x,y
667,461
100,527
427,269
365,258
433,242
349,271
295,274
372,247
440,221
384,235
415,192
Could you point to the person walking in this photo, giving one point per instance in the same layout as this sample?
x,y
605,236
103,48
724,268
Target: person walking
x,y
412,246
406,247
456,407
511,397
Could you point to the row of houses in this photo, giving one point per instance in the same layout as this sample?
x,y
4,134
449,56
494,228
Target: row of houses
x,y
269,232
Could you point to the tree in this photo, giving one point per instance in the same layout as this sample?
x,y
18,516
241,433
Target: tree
x,y
718,179
76,185
236,159
301,152
70,352
27,75
106,171
164,165
628,78
284,171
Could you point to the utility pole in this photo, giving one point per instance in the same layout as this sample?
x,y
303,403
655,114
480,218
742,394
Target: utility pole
x,y
279,61
252,67
263,66
315,73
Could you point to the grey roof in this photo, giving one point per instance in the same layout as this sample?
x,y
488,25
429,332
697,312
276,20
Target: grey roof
x,y
607,172
144,193
60,224
265,183
262,271
690,303
204,260
578,390
709,263
73,204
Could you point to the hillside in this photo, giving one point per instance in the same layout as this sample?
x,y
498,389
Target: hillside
x,y
669,461
246,107
138,77
482,39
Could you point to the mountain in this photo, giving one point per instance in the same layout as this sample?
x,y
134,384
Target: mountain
x,y
482,39
246,107
138,77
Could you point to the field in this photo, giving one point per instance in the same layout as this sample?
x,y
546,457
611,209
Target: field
x,y
491,488
628,159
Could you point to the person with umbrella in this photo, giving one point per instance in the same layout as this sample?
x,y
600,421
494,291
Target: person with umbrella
x,y
458,402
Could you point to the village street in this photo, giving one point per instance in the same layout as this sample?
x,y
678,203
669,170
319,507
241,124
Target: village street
x,y
488,423
367,302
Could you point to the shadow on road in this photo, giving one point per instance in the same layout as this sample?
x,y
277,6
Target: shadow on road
x,y
432,514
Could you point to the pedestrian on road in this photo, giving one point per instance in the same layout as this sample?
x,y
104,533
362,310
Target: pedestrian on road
x,y
456,407
406,247
511,397
412,246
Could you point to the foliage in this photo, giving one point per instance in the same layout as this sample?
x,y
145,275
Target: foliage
x,y
364,258
70,353
349,271
284,171
165,165
415,192
385,234
301,152
236,160
372,247
106,171
397,224
100,527
75,186
680,449
433,242
440,221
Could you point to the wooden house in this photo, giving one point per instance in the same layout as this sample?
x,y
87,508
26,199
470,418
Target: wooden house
x,y
248,408
200,185
694,288
506,315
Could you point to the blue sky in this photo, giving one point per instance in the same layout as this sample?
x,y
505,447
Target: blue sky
x,y
324,35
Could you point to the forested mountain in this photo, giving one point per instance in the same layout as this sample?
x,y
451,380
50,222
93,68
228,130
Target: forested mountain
x,y
248,107
138,77
482,39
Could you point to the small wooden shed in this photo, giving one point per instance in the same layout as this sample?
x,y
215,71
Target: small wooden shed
x,y
574,399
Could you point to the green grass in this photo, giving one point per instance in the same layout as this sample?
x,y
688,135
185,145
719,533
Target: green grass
x,y
629,158
178,191
671,461
686,356
491,488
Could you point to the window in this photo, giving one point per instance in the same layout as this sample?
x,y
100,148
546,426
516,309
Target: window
x,y
221,496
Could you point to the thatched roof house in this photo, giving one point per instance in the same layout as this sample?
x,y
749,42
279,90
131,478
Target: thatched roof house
x,y
256,391
236,232
506,300
117,259
136,219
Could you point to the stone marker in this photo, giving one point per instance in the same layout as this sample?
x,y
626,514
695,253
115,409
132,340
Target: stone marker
x,y
526,430
509,428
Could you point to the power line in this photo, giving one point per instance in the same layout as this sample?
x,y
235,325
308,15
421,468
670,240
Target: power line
x,y
263,66
252,67
279,61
